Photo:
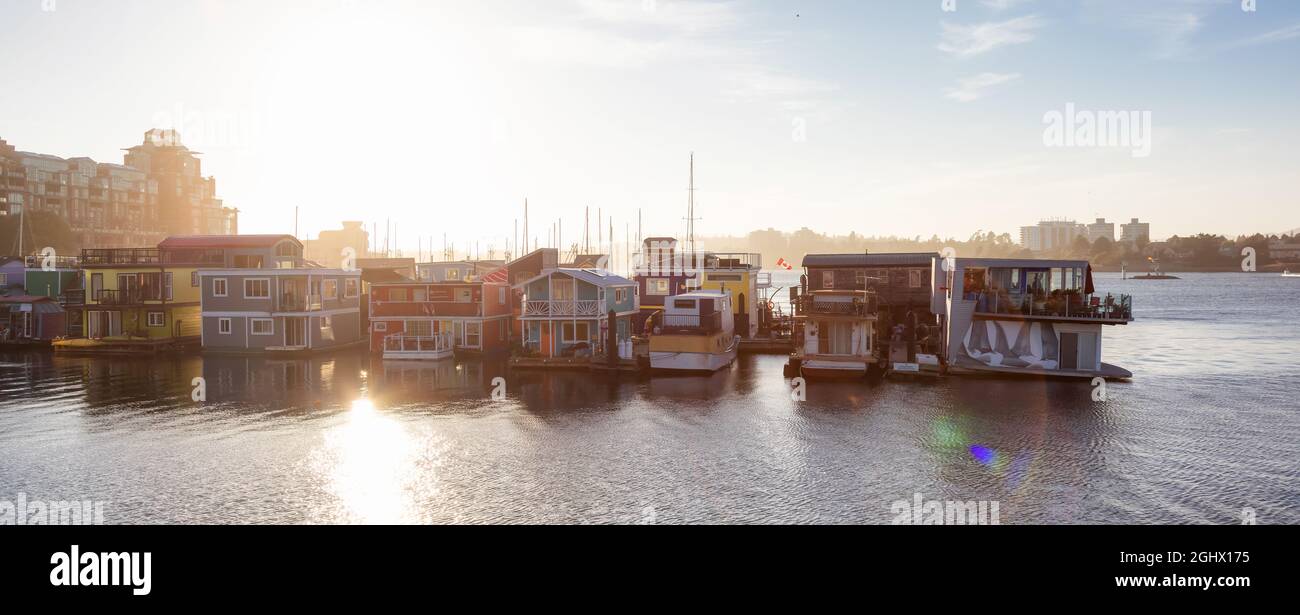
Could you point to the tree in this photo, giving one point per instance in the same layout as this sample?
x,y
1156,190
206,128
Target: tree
x,y
40,229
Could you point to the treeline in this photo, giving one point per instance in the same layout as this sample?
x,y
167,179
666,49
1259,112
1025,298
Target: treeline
x,y
40,229
1199,251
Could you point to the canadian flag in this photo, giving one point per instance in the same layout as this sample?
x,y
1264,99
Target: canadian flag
x,y
784,264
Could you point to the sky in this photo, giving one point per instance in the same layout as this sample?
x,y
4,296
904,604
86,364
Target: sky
x,y
886,117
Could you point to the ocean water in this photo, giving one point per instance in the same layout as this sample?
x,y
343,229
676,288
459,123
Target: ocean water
x,y
1207,430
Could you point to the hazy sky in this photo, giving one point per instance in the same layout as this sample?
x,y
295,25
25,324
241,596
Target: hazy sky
x,y
882,117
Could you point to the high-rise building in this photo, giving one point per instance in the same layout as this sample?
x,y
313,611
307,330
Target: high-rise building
x,y
187,201
1133,230
327,249
1051,234
1101,228
158,192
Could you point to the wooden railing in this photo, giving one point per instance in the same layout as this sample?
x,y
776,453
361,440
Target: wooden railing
x,y
590,308
400,342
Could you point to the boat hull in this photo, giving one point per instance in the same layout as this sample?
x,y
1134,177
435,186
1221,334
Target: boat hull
x,y
816,369
688,361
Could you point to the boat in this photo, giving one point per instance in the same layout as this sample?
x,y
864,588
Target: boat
x,y
1028,317
1288,274
834,334
1155,274
695,332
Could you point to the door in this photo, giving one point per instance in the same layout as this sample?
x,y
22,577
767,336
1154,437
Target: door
x,y
294,333
1069,351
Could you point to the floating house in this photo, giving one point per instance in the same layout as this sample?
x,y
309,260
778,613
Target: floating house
x,y
266,298
576,312
903,285
12,274
695,332
59,278
27,319
834,334
430,320
665,268
1026,316
455,271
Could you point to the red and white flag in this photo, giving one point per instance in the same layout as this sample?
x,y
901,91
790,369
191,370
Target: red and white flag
x,y
784,264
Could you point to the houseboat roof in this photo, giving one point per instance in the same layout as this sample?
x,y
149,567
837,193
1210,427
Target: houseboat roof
x,y
1023,263
869,260
702,294
597,277
224,241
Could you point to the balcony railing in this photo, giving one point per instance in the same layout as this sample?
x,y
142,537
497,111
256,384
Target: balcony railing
x,y
130,296
400,342
764,279
1069,305
121,256
855,303
586,308
37,261
692,323
299,303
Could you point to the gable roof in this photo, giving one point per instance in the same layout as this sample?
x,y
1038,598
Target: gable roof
x,y
225,241
595,277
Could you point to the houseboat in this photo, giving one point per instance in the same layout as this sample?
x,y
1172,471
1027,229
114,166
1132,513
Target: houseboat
x,y
431,320
1026,317
570,316
834,334
909,338
59,278
455,271
140,300
264,298
665,268
694,332
27,320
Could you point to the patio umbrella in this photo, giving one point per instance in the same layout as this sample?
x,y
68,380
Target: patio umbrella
x,y
1087,282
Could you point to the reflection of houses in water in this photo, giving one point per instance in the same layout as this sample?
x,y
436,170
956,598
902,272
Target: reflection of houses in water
x,y
470,375
335,377
119,380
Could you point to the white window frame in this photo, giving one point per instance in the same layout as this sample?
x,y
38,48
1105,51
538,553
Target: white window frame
x,y
224,327
167,285
252,329
653,284
162,319
381,325
828,280
620,295
350,288
225,287
268,288
501,295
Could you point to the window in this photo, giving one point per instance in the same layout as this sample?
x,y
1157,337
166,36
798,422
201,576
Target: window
x,y
194,279
223,326
568,329
157,319
350,288
452,274
248,261
620,295
96,285
684,304
263,326
472,334
218,287
4,279
259,288
914,278
828,279
327,328
331,289
287,248
167,286
501,295
724,277
397,294
562,291
419,328
464,295
860,278
381,326
419,295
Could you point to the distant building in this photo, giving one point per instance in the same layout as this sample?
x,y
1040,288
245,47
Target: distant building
x,y
327,249
1101,228
1051,234
159,191
1133,230
1283,250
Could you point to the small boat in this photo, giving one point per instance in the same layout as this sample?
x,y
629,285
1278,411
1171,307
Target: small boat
x,y
695,332
1155,274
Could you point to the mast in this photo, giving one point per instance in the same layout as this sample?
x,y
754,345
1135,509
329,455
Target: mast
x,y
690,209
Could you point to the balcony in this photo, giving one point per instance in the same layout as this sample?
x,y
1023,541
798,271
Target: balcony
x,y
56,262
130,296
401,346
561,309
851,303
299,303
703,324
1062,306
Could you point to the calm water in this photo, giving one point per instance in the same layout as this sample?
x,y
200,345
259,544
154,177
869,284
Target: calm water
x,y
1209,425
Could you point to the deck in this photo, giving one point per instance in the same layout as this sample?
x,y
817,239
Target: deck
x,y
126,345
